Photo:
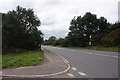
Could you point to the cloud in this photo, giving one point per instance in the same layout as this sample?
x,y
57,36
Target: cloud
x,y
55,15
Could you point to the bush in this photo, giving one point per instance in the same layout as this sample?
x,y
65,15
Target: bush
x,y
111,39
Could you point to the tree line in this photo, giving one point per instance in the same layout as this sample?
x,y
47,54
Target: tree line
x,y
19,30
89,31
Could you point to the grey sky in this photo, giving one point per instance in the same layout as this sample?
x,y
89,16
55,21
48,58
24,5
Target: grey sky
x,y
55,15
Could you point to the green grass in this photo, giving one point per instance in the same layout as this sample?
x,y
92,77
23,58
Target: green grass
x,y
21,59
98,48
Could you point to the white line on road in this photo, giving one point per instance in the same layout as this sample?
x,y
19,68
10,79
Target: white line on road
x,y
66,61
103,55
116,56
90,53
72,50
81,73
70,75
73,68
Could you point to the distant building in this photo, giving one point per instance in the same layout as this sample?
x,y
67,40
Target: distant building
x,y
119,11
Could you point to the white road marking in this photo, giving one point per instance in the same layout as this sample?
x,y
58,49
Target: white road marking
x,y
116,56
66,61
90,53
70,75
81,73
73,68
72,50
103,55
107,55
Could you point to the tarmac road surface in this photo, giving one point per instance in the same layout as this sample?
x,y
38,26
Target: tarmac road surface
x,y
88,63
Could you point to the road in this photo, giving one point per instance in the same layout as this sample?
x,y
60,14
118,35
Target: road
x,y
88,63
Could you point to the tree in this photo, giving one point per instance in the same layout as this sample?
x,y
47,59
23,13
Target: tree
x,y
76,36
103,28
82,28
20,29
52,40
114,26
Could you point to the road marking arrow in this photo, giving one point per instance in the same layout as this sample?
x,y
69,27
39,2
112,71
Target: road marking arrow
x,y
73,68
81,73
70,75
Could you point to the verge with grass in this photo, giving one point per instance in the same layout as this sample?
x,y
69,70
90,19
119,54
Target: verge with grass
x,y
29,58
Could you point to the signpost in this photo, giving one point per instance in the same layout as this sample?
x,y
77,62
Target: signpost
x,y
90,43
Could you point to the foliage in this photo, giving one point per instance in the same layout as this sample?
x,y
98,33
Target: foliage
x,y
112,39
20,29
81,28
50,41
63,42
96,39
114,26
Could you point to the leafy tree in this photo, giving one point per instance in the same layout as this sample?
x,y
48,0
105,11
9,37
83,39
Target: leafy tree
x,y
62,42
76,36
56,42
114,26
52,40
20,29
45,42
82,28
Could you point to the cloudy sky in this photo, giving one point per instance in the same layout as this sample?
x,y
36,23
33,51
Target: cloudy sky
x,y
55,15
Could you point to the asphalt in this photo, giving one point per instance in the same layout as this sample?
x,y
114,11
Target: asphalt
x,y
88,63
50,65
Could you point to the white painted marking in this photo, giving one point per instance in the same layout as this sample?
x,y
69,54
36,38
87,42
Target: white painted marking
x,y
73,68
66,61
104,55
116,56
72,50
70,75
81,73
107,55
90,53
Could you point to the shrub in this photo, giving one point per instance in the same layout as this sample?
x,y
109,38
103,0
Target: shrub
x,y
112,38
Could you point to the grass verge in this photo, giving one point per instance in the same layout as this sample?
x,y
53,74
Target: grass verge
x,y
21,59
116,49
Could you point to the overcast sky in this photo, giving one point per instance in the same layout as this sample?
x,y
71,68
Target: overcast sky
x,y
55,15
